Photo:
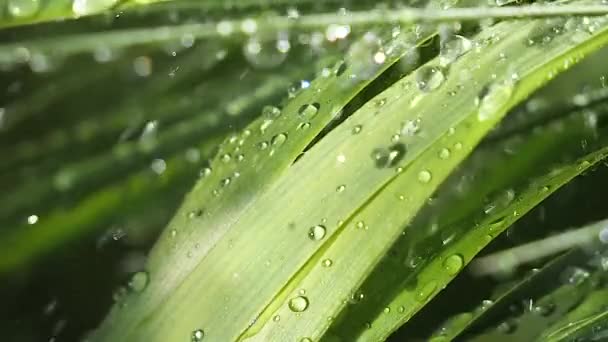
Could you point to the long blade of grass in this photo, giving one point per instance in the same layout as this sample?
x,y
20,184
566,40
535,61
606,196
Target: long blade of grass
x,y
14,53
587,322
247,165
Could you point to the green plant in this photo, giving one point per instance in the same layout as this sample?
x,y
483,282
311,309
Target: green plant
x,y
408,140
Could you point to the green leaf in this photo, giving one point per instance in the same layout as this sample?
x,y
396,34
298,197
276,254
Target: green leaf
x,y
456,210
224,203
587,322
235,257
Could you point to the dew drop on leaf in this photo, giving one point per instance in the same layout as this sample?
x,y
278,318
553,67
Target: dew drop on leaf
x,y
365,56
298,304
444,153
429,78
279,139
327,263
139,281
271,112
197,335
309,110
453,264
426,291
205,172
493,98
263,145
424,176
357,129
195,213
452,48
317,232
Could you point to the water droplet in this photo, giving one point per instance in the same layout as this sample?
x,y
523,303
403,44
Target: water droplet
x,y
265,124
389,157
360,225
303,126
271,112
32,219
426,291
494,98
386,310
279,139
356,297
575,275
276,318
86,7
453,264
410,127
23,8
401,309
317,232
263,145
266,52
195,213
309,110
305,339
444,153
452,48
429,78
357,129
205,172
139,281
424,176
298,304
197,335
327,263
365,56
226,181
341,188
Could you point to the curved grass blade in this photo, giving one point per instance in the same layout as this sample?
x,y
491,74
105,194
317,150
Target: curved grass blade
x,y
532,285
456,209
471,244
239,181
587,322
542,312
434,276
